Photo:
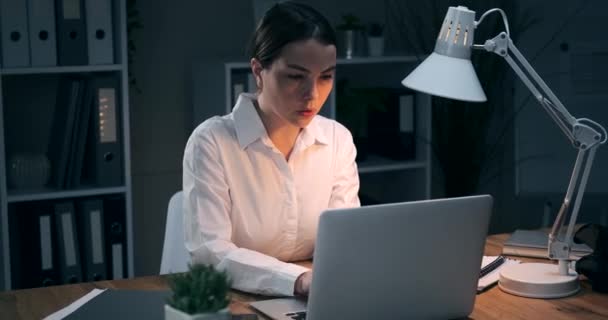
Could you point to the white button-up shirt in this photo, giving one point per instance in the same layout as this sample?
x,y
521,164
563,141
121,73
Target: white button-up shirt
x,y
248,210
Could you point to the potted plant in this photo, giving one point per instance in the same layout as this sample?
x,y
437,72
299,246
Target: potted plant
x,y
350,33
375,39
201,293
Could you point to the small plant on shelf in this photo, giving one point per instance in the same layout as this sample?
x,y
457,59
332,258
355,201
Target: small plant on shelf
x,y
375,30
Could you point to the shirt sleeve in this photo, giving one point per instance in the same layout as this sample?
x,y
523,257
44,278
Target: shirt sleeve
x,y
208,227
345,190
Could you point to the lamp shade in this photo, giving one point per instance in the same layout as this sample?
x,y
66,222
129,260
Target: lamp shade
x,y
446,77
448,71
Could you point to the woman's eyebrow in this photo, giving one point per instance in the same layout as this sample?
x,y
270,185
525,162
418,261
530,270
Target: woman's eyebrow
x,y
298,67
332,68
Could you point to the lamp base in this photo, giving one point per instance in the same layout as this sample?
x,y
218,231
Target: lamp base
x,y
537,280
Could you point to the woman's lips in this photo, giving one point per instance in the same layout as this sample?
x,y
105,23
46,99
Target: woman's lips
x,y
306,113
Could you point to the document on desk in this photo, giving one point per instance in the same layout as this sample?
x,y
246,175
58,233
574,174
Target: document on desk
x,y
116,304
490,270
74,305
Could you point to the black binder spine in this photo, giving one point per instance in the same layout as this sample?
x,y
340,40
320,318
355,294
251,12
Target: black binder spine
x,y
71,32
33,242
116,236
69,255
104,161
91,227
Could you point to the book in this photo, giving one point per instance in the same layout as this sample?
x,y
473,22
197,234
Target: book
x,y
70,268
533,243
103,155
490,271
119,304
64,119
116,304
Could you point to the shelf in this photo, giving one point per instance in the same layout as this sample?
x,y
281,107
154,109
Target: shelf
x,y
49,193
63,69
342,61
238,65
383,59
375,163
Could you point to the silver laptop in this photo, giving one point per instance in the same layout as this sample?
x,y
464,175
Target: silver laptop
x,y
394,261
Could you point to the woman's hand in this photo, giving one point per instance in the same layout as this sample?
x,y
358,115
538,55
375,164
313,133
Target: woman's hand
x,y
302,286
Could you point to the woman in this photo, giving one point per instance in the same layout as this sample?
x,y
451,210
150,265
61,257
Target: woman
x,y
256,180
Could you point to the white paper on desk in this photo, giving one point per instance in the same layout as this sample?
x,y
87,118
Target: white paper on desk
x,y
74,305
492,277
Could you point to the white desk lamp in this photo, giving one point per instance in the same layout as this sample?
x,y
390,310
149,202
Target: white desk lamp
x,y
448,73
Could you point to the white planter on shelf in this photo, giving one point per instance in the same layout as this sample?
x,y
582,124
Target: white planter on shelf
x,y
375,45
174,314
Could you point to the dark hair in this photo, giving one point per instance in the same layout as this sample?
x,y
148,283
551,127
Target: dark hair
x,y
284,23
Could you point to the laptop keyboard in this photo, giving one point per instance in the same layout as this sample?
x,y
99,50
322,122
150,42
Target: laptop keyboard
x,y
301,315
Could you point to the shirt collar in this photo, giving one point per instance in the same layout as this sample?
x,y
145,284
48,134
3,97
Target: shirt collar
x,y
249,126
313,133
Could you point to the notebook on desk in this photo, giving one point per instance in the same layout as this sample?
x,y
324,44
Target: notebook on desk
x,y
120,304
534,243
394,261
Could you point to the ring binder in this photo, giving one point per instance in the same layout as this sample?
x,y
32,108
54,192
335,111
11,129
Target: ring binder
x,y
14,29
92,237
43,41
100,40
104,161
67,233
71,32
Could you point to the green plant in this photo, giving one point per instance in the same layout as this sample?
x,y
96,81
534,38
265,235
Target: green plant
x,y
350,22
202,289
375,30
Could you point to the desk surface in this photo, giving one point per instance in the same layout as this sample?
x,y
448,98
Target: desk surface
x,y
492,304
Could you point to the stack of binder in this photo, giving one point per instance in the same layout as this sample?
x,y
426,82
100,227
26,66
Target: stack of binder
x,y
87,110
70,99
43,33
67,241
34,259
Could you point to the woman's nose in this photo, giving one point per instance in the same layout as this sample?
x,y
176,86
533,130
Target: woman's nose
x,y
311,91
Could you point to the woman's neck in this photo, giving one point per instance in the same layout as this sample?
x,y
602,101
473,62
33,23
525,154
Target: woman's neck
x,y
282,133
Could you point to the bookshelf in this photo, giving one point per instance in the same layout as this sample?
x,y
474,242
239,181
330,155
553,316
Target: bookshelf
x,y
27,112
383,179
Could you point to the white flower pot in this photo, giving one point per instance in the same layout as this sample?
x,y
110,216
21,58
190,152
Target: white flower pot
x,y
174,314
375,46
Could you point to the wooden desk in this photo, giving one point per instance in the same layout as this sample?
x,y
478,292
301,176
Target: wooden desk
x,y
492,304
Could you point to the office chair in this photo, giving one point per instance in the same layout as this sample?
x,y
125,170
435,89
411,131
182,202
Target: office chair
x,y
175,256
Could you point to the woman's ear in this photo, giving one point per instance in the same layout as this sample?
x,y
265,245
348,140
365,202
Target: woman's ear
x,y
256,69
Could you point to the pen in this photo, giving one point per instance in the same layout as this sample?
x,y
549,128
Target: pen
x,y
492,266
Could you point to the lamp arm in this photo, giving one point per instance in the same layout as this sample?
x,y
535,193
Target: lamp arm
x,y
502,45
560,249
582,133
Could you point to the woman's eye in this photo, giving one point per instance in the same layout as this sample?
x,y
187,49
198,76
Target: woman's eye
x,y
327,76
